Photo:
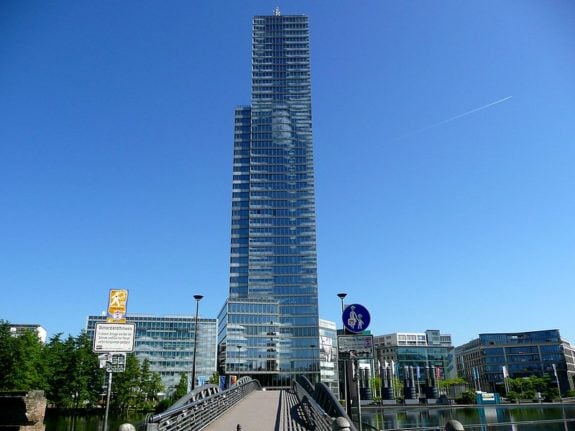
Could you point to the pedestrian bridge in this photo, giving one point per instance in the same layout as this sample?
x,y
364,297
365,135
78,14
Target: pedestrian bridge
x,y
246,406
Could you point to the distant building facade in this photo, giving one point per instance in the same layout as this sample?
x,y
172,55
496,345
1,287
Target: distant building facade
x,y
328,358
524,354
427,352
249,339
168,344
18,328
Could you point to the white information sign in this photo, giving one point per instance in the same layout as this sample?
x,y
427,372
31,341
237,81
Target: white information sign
x,y
114,337
355,346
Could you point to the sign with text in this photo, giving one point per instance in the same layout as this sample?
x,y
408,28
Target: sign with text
x,y
114,337
117,363
355,346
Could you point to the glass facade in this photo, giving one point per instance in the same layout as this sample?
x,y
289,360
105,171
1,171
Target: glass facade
x,y
168,344
273,236
523,353
428,353
328,355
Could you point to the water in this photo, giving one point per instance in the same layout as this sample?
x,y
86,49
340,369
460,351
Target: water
x,y
486,418
90,422
539,417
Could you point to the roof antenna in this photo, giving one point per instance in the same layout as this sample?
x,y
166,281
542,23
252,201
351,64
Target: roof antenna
x,y
277,11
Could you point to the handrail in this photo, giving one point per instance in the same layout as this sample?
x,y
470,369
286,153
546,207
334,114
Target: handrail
x,y
319,404
198,414
197,394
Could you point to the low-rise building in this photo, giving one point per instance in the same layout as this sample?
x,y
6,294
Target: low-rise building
x,y
18,328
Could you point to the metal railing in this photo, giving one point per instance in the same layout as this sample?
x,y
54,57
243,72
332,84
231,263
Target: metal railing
x,y
198,414
563,423
319,405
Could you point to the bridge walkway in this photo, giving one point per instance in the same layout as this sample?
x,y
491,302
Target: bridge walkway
x,y
262,411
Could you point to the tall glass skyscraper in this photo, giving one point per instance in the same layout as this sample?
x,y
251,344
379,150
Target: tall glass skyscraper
x,y
269,325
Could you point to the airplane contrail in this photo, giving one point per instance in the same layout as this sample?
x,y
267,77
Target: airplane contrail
x,y
449,120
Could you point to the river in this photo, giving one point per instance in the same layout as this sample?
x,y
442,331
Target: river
x,y
90,422
536,417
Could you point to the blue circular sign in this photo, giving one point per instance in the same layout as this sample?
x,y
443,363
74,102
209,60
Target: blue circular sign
x,y
355,318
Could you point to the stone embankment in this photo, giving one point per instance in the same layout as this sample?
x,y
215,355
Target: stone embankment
x,y
22,411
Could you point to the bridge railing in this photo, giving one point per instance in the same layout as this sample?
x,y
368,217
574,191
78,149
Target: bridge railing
x,y
199,413
319,405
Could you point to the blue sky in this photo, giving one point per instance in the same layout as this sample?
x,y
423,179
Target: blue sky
x,y
437,208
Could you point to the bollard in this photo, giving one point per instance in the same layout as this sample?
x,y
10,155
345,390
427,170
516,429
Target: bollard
x,y
340,424
453,425
126,427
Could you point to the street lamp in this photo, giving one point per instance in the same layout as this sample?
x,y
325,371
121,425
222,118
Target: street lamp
x,y
342,297
197,298
345,394
239,359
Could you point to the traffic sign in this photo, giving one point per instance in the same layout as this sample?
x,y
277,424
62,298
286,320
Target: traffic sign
x,y
117,305
355,346
355,318
114,337
117,363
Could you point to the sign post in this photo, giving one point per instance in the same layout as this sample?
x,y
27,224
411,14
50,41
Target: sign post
x,y
353,347
113,340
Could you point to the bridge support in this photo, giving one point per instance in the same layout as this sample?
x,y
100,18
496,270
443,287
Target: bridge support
x,y
22,411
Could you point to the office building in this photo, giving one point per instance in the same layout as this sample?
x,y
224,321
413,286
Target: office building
x,y
524,354
427,352
273,265
168,344
328,364
17,329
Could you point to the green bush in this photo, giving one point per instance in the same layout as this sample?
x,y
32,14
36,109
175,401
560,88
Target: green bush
x,y
512,396
550,394
467,397
163,405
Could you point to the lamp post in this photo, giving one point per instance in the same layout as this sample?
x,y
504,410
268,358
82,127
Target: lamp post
x,y
197,298
342,296
239,359
557,381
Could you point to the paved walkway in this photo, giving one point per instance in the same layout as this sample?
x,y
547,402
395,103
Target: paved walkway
x,y
259,411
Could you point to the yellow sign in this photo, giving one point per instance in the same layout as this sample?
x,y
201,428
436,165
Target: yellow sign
x,y
117,305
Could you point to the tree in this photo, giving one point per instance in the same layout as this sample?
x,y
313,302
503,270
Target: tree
x,y
467,397
27,368
526,387
74,377
150,385
181,388
57,353
69,373
6,355
89,376
447,383
376,387
214,379
125,387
